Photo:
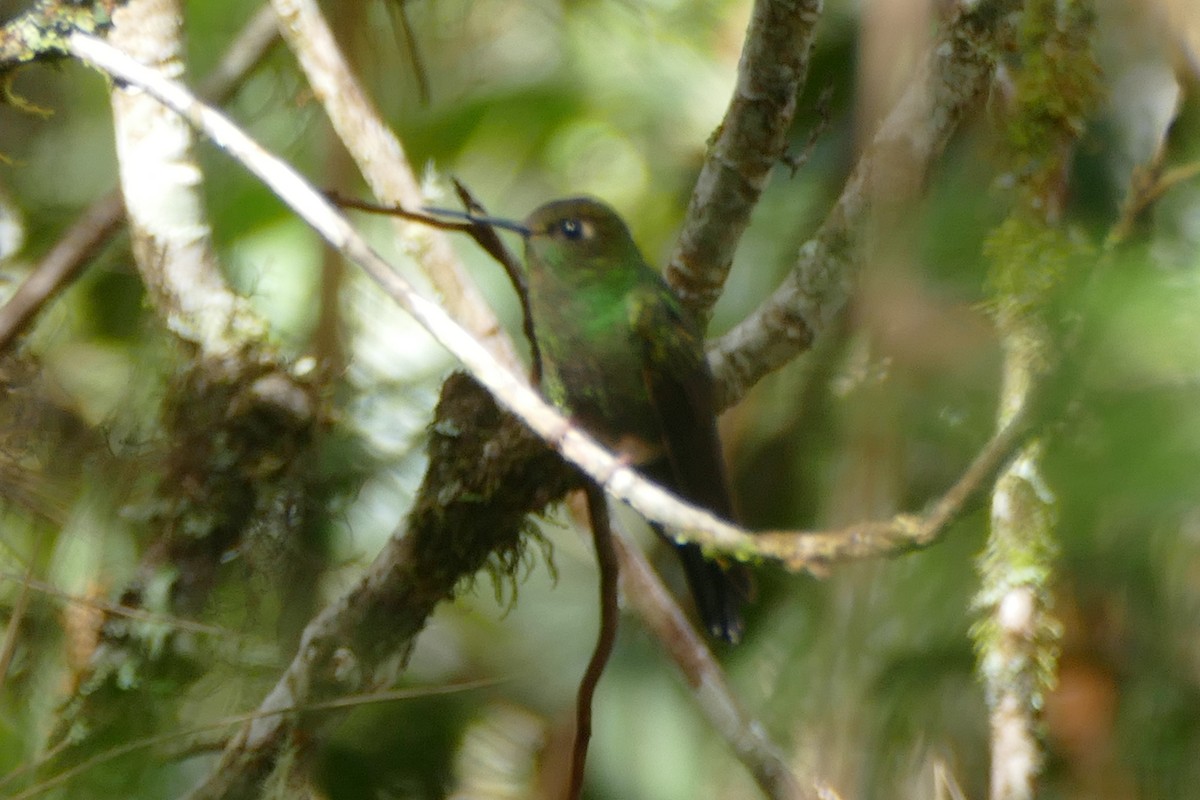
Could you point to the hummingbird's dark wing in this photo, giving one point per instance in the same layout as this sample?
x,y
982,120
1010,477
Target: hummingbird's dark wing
x,y
681,393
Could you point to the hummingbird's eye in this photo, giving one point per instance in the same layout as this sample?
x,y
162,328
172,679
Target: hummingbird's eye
x,y
572,229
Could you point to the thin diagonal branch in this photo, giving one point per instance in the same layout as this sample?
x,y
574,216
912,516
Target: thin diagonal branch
x,y
61,265
745,735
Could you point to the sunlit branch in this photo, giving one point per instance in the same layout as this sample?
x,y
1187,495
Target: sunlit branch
x,y
103,218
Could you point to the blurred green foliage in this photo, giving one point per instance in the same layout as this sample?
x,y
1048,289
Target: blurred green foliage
x,y
865,675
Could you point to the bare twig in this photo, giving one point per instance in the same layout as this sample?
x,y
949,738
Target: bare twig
x,y
486,237
1148,186
749,142
607,564
120,610
16,617
824,119
61,265
399,9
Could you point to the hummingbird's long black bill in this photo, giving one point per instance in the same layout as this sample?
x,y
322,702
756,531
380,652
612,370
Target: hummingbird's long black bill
x,y
495,222
483,229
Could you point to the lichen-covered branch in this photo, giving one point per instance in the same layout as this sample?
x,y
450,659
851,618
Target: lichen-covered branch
x,y
40,32
1018,639
1033,255
750,141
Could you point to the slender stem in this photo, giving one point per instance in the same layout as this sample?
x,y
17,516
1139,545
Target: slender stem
x,y
606,560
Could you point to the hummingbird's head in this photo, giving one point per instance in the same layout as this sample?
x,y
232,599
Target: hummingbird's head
x,y
577,234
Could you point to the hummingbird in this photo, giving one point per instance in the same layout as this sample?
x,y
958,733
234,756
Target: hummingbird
x,y
625,360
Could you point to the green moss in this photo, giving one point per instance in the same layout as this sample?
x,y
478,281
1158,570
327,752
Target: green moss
x,y
41,32
1056,88
1030,261
1019,555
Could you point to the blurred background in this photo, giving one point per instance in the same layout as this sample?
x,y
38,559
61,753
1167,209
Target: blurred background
x,y
866,676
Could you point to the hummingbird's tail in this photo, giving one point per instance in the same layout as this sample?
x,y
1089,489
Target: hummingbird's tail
x,y
720,590
720,587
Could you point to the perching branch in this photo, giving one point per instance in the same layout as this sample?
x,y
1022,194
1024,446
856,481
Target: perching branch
x,y
794,549
485,236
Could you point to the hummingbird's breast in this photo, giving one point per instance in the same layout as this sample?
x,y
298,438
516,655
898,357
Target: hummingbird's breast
x,y
594,371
